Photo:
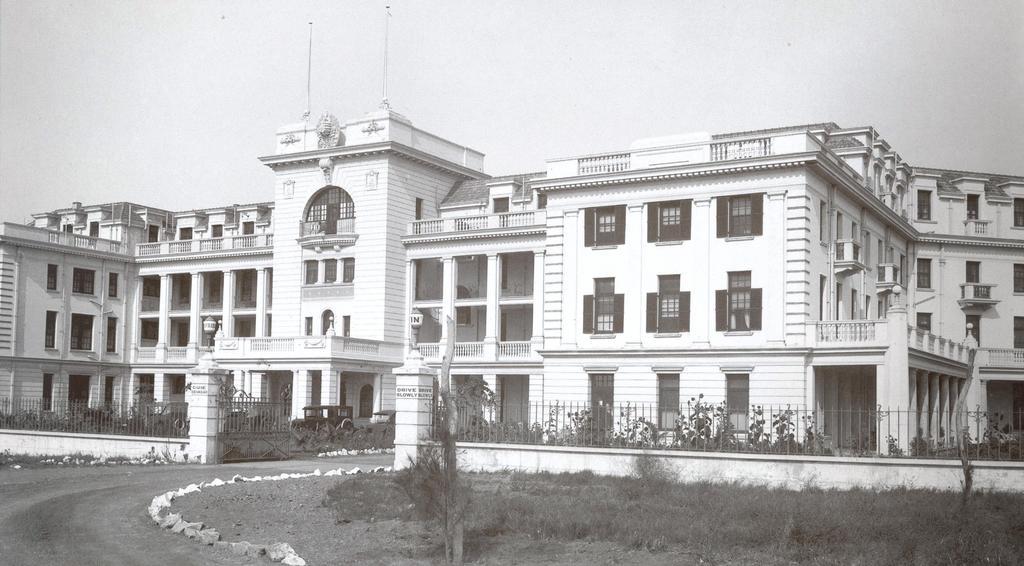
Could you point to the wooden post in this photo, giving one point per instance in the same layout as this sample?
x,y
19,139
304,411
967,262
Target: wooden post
x,y
453,512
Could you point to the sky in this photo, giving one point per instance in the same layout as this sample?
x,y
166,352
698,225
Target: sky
x,y
170,103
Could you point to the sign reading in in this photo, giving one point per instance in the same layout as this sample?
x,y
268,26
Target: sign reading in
x,y
414,392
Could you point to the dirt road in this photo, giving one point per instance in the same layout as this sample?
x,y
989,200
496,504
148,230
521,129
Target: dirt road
x,y
97,515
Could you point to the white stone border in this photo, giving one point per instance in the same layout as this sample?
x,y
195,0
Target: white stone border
x,y
278,552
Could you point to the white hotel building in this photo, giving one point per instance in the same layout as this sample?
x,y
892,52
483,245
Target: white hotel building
x,y
754,267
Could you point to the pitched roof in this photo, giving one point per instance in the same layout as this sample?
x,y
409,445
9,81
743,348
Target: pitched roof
x,y
946,177
842,142
477,191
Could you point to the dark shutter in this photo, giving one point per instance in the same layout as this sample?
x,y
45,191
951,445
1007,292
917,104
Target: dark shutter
x,y
588,314
652,222
620,310
652,312
684,219
684,311
721,310
620,225
757,214
755,309
722,213
588,227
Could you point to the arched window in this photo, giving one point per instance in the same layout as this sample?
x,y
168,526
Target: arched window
x,y
365,401
325,321
332,209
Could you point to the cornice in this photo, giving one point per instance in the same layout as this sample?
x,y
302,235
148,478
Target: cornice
x,y
399,149
206,255
971,241
489,234
46,246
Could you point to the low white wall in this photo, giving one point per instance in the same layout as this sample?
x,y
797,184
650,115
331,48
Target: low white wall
x,y
791,472
60,443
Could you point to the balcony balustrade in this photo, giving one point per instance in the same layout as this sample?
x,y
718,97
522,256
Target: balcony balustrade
x,y
978,295
743,149
1001,357
207,245
849,332
326,228
44,235
505,220
976,227
515,350
943,347
304,347
510,350
848,256
611,163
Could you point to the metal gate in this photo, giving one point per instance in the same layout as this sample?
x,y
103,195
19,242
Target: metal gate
x,y
254,430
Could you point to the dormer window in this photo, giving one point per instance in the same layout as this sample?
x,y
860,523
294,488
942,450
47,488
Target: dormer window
x,y
185,234
500,205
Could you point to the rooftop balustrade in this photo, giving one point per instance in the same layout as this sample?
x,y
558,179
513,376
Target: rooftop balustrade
x,y
205,245
502,221
44,235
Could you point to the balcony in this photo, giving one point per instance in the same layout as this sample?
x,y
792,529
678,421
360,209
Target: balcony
x,y
217,246
847,256
976,295
847,333
888,276
477,351
483,224
33,234
937,345
319,234
306,347
976,227
1012,358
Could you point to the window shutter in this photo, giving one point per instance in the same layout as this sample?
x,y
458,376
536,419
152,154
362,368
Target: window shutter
x,y
721,310
757,214
620,225
722,213
684,311
755,309
652,312
684,220
652,222
620,309
588,314
588,227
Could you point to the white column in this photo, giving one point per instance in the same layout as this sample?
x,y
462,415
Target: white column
x,y
447,296
538,301
636,230
195,323
165,319
136,323
702,296
378,393
261,302
410,298
228,296
933,407
330,379
160,390
493,288
301,391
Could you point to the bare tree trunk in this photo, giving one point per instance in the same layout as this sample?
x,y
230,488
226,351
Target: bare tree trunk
x,y
453,512
963,428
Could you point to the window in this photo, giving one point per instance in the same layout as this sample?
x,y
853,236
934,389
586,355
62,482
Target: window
x,y
366,401
153,234
973,272
185,234
329,207
822,221
603,311
348,273
974,322
668,221
50,338
94,229
330,270
1018,278
346,325
47,391
924,205
111,334
924,273
1018,332
309,326
83,281
108,391
112,285
668,310
822,298
419,208
604,226
429,274
865,245
542,201
217,231
1018,212
924,321
51,277
972,207
668,400
248,228
602,396
739,216
839,225
853,304
311,272
500,205
69,228
81,332
737,400
738,308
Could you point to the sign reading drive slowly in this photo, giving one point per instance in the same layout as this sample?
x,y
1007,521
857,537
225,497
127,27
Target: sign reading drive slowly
x,y
414,392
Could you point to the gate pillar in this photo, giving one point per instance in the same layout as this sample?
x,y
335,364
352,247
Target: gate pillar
x,y
414,401
202,394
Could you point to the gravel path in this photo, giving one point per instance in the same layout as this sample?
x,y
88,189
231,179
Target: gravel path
x,y
86,516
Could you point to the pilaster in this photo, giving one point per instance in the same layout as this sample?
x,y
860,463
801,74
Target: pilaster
x,y
195,323
634,300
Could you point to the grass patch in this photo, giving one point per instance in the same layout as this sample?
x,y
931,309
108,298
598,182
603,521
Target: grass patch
x,y
649,511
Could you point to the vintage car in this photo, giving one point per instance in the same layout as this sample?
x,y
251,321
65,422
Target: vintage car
x,y
334,416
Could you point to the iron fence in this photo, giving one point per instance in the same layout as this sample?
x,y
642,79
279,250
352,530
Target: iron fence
x,y
760,429
254,429
166,420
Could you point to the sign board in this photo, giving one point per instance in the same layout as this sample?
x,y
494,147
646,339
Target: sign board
x,y
199,389
414,392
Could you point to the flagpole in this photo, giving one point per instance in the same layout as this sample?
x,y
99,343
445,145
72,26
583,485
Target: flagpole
x,y
309,73
384,82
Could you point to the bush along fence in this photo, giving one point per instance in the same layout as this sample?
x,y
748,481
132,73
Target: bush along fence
x,y
163,420
699,425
